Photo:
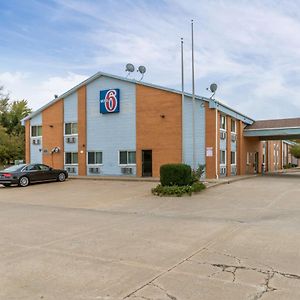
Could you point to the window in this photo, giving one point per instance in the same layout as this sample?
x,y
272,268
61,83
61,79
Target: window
x,y
71,158
223,122
36,131
95,158
233,158
223,157
71,128
233,126
127,158
44,168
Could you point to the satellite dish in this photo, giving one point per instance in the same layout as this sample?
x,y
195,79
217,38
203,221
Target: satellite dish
x,y
129,68
142,70
213,87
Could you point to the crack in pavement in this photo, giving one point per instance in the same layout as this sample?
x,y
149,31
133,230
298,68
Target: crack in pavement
x,y
164,290
269,274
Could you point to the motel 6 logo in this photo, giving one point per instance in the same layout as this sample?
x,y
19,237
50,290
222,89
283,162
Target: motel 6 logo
x,y
110,101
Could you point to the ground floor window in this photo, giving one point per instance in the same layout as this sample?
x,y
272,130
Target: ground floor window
x,y
127,158
95,158
223,157
71,158
233,158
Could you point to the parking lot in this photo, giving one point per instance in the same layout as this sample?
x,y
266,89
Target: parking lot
x,y
86,239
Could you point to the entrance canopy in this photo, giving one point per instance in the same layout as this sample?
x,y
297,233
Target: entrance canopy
x,y
280,129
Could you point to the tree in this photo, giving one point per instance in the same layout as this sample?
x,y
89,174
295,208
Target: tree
x,y
12,133
295,151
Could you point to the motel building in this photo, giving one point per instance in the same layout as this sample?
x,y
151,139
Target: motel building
x,y
114,126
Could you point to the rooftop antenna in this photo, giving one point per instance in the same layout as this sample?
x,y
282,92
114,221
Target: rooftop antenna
x,y
212,88
129,68
142,70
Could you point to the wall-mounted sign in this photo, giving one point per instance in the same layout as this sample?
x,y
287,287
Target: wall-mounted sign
x,y
110,101
209,151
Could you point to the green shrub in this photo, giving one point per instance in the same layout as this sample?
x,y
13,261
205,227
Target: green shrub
x,y
197,174
175,175
198,187
178,191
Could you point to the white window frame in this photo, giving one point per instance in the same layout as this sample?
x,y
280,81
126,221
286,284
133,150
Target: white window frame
x,y
72,134
248,158
233,132
223,116
234,158
122,165
72,153
87,157
38,136
223,164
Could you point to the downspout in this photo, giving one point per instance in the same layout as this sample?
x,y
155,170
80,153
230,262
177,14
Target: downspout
x,y
217,173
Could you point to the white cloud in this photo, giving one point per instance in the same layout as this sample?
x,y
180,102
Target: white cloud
x,y
38,91
250,48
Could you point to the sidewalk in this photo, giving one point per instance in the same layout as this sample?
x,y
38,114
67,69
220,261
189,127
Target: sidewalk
x,y
227,180
208,182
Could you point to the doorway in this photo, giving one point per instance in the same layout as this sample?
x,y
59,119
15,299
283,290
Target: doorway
x,y
256,163
147,163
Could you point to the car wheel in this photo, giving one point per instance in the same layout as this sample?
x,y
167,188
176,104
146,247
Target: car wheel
x,y
24,181
7,184
61,177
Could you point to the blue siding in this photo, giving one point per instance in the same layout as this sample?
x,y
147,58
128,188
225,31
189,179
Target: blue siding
x,y
233,146
36,154
223,143
71,116
70,108
199,131
112,132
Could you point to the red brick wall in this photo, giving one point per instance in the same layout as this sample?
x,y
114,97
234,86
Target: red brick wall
x,y
162,135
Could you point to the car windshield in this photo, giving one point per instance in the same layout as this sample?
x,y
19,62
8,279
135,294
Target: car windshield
x,y
14,168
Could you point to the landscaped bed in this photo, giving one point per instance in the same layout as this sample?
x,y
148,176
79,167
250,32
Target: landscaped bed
x,y
178,180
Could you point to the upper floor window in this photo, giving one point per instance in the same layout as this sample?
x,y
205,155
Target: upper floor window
x,y
222,157
95,158
127,158
71,158
71,128
223,122
36,131
233,158
233,126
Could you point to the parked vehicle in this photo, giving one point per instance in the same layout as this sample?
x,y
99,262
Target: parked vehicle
x,y
25,174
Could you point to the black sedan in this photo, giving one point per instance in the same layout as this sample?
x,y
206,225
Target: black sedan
x,y
23,175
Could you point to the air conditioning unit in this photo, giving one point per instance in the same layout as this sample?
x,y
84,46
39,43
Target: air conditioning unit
x,y
233,170
233,137
94,170
70,140
223,135
223,170
36,141
71,170
127,171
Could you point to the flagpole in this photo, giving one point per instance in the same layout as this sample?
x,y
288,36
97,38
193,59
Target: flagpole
x,y
182,101
193,98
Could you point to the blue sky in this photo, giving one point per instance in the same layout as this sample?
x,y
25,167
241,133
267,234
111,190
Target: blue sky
x,y
249,48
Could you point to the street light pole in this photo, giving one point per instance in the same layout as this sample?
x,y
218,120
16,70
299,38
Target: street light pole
x,y
193,99
182,102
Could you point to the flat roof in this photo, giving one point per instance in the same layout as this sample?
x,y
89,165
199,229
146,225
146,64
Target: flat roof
x,y
99,74
274,124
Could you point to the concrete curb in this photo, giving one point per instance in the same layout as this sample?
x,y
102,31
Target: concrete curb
x,y
228,181
208,184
